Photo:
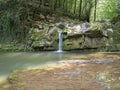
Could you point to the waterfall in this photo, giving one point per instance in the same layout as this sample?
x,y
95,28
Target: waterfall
x,y
84,28
60,41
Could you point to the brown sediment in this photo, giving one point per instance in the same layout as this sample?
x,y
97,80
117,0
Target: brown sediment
x,y
69,76
96,55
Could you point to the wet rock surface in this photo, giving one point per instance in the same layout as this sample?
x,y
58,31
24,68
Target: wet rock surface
x,y
76,35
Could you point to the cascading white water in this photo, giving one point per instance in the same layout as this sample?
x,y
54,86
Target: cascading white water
x,y
84,28
60,41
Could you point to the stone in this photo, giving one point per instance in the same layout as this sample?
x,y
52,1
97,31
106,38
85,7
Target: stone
x,y
75,35
42,16
61,26
109,32
94,34
40,26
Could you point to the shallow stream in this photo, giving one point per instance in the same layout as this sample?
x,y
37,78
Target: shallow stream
x,y
10,61
103,72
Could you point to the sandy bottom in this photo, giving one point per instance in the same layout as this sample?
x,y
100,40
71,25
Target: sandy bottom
x,y
97,74
70,77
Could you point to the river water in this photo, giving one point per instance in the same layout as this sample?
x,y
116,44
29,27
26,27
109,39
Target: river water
x,y
104,72
10,61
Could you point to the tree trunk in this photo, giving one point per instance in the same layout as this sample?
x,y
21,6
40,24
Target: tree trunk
x,y
55,5
89,11
95,10
71,5
66,6
80,9
75,6
63,4
59,3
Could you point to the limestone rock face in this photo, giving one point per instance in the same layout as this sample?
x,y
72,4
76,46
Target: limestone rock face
x,y
75,35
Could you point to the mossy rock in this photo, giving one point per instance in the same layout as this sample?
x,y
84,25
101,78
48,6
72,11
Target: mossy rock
x,y
94,34
55,45
74,43
12,47
67,45
61,26
73,37
95,42
95,26
38,44
113,47
0,46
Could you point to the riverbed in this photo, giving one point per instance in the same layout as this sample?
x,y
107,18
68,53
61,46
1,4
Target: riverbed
x,y
65,71
10,61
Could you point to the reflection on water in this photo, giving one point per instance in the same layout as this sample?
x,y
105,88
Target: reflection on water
x,y
95,74
18,60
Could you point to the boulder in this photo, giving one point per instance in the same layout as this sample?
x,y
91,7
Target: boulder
x,y
74,35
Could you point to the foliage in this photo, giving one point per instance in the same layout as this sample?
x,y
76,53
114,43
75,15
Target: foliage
x,y
108,9
96,26
16,16
13,15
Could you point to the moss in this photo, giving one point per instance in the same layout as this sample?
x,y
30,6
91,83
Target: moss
x,y
66,47
96,26
14,47
72,39
55,45
0,46
67,44
41,38
116,33
113,47
73,43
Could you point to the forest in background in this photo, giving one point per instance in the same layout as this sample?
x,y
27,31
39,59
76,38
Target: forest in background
x,y
16,15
